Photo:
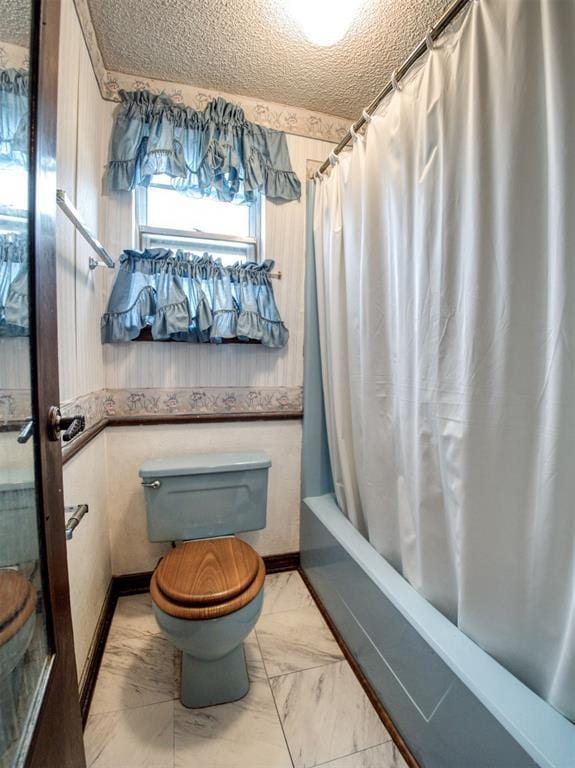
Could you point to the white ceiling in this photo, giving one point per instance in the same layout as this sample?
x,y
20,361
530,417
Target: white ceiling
x,y
15,21
252,48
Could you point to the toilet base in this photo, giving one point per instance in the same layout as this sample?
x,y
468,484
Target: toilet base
x,y
206,683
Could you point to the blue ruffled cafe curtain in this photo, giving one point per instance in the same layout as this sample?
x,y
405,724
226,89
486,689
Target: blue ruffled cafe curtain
x,y
13,117
13,284
185,297
213,153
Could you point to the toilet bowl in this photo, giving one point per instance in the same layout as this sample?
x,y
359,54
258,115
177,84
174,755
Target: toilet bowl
x,y
17,619
207,593
207,597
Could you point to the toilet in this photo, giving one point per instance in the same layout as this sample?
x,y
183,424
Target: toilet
x,y
17,621
207,593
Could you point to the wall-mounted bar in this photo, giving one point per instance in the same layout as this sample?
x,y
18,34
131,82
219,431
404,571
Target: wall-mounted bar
x,y
69,209
76,515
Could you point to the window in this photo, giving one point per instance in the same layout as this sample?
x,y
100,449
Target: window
x,y
168,218
14,200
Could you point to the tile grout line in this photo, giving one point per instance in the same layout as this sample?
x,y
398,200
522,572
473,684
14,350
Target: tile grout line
x,y
350,754
174,730
306,669
319,666
292,761
130,709
289,610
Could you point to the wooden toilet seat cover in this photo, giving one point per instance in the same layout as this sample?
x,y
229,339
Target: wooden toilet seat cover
x,y
207,578
17,602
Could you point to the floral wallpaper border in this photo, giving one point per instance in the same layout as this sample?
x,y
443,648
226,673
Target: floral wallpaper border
x,y
212,401
91,406
14,56
128,404
294,120
215,401
15,406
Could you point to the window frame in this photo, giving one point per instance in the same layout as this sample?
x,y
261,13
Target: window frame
x,y
143,228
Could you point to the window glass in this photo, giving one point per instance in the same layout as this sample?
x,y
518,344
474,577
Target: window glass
x,y
170,209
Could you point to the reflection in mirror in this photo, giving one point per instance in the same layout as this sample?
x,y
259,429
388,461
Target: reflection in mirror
x,y
23,637
14,86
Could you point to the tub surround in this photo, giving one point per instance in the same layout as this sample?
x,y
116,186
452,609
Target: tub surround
x,y
453,703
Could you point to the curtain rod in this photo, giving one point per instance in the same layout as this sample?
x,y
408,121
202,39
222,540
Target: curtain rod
x,y
434,32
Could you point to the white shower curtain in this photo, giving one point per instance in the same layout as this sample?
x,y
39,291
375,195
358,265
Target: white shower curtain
x,y
445,248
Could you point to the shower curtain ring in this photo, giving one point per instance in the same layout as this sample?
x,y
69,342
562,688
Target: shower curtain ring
x,y
333,158
319,176
366,116
354,134
429,39
394,83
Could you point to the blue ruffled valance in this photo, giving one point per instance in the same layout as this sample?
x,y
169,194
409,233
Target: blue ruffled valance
x,y
13,117
185,297
13,284
214,153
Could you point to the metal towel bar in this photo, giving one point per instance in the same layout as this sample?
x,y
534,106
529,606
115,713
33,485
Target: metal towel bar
x,y
69,209
76,514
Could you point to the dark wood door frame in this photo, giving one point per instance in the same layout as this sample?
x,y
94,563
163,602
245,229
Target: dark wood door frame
x,y
57,738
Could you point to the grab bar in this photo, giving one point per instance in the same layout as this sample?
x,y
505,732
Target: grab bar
x,y
76,514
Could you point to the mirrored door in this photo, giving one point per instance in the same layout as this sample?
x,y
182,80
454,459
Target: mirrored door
x,y
24,640
37,678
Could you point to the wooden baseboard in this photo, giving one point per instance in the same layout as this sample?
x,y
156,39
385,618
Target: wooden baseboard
x,y
132,583
96,651
362,679
280,563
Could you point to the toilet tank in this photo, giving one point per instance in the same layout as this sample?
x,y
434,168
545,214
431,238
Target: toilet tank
x,y
203,495
18,517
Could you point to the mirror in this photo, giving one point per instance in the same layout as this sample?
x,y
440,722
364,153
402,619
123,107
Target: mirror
x,y
24,643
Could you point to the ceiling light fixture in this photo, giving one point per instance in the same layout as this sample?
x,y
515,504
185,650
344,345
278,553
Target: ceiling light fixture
x,y
324,22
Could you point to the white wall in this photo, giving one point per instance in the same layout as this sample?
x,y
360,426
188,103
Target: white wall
x,y
79,173
79,307
89,559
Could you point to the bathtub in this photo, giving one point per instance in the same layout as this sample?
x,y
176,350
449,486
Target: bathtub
x,y
452,703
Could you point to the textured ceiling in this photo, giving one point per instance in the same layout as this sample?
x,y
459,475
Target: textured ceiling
x,y
15,21
252,48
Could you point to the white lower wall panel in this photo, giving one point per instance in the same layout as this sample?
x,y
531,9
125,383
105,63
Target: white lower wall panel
x,y
89,557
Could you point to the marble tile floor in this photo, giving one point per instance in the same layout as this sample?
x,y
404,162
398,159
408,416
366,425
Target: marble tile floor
x,y
305,707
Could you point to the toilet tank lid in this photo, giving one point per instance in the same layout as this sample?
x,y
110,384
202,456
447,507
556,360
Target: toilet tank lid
x,y
205,463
